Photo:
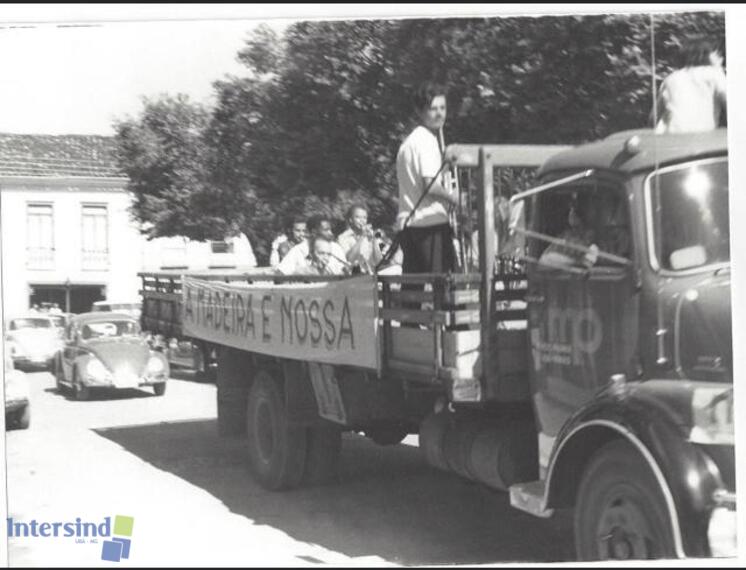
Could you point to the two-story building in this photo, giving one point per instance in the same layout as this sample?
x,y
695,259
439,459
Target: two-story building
x,y
66,232
67,236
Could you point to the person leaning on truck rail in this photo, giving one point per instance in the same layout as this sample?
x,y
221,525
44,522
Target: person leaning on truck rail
x,y
359,241
283,243
693,98
296,260
427,241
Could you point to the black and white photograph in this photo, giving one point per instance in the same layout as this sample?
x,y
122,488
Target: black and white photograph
x,y
414,285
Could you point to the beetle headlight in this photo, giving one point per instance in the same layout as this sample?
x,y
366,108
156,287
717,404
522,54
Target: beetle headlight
x,y
721,530
155,366
96,369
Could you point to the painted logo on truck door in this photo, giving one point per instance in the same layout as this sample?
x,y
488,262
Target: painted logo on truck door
x,y
567,336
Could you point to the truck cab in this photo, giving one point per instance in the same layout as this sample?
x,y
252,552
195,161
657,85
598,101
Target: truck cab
x,y
629,325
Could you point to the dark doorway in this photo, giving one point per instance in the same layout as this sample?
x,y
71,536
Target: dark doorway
x,y
79,297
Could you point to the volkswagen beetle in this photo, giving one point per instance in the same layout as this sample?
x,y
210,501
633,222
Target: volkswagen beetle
x,y
107,350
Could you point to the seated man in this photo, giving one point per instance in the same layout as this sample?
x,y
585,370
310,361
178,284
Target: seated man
x,y
282,244
323,261
296,260
359,241
574,246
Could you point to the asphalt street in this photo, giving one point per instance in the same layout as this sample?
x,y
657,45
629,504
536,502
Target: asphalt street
x,y
160,461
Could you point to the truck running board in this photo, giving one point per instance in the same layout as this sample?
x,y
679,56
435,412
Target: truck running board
x,y
529,497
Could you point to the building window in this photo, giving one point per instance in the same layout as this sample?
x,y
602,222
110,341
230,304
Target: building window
x,y
174,253
40,236
221,246
95,237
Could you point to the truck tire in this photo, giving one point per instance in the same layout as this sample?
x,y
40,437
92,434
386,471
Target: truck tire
x,y
620,512
233,379
323,448
277,449
457,444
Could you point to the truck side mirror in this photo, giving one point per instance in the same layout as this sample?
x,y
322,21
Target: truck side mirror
x,y
687,257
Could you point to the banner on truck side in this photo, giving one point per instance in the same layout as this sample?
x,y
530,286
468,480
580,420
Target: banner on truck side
x,y
333,322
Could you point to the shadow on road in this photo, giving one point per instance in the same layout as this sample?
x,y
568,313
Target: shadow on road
x,y
105,394
388,502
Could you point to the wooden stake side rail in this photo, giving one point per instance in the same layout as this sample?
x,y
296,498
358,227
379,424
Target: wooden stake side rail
x,y
441,305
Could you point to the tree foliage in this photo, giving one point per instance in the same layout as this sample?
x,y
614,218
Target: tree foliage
x,y
317,121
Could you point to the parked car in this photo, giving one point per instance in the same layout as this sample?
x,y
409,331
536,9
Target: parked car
x,y
107,350
131,308
34,340
17,404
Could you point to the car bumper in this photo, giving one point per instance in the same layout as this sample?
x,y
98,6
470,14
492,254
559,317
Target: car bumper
x,y
15,404
721,529
36,361
124,382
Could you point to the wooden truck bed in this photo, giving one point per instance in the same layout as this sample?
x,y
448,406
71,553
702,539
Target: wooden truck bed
x,y
424,328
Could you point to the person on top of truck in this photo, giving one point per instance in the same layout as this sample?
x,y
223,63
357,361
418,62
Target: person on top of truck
x,y
323,261
283,243
359,240
693,98
427,239
296,260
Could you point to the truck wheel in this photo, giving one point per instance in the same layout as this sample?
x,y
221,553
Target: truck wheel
x,y
277,450
234,373
324,445
23,419
620,512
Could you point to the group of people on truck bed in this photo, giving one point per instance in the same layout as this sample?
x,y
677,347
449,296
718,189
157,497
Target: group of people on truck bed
x,y
310,247
692,98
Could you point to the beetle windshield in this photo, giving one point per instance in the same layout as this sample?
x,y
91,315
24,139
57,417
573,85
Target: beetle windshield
x,y
112,328
30,323
690,215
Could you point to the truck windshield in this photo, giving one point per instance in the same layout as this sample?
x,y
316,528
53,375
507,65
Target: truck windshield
x,y
690,215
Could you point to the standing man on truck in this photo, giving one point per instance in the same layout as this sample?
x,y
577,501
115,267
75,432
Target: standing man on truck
x,y
426,236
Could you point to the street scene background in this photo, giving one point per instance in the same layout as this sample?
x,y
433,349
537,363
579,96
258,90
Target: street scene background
x,y
303,118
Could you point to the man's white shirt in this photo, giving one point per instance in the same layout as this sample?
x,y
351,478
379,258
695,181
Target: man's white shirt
x,y
419,157
296,261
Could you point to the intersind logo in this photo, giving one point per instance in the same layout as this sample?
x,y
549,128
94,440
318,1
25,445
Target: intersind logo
x,y
115,542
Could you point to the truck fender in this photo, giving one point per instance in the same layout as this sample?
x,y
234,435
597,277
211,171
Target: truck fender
x,y
687,476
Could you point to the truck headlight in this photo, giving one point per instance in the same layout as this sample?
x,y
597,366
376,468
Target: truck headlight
x,y
712,415
96,370
155,366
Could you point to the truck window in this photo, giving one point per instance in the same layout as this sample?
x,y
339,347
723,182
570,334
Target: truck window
x,y
688,210
573,222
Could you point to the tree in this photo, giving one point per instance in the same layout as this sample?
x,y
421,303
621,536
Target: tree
x,y
318,119
163,153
